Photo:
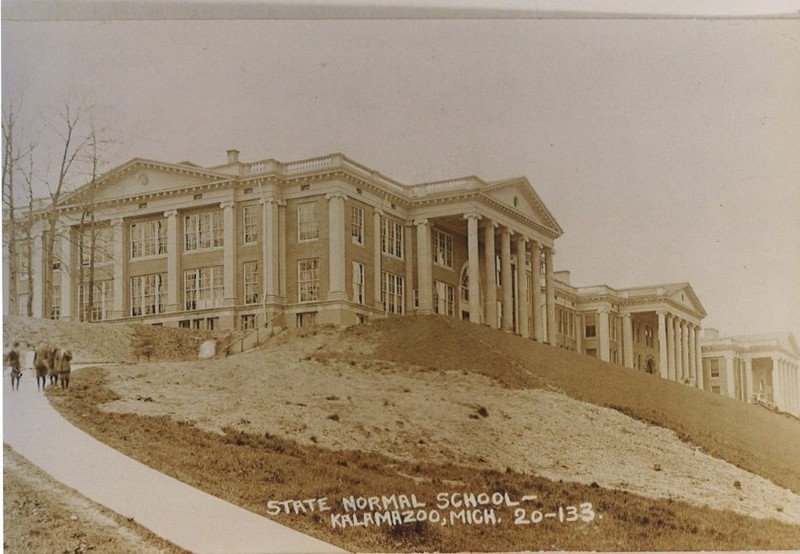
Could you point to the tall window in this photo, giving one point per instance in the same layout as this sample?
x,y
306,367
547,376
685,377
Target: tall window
x,y
202,231
103,246
202,287
392,238
250,275
148,294
442,248
248,322
357,224
392,293
713,367
102,300
148,238
308,280
55,302
358,283
444,303
250,224
590,330
307,221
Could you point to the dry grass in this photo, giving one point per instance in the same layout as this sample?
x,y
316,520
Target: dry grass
x,y
249,469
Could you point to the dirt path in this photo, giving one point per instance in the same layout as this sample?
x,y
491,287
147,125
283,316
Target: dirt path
x,y
292,389
41,515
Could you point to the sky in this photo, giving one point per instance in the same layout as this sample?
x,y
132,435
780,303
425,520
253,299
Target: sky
x,y
667,149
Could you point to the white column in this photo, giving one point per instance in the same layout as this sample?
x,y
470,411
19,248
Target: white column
x,y
522,287
684,350
473,268
505,278
663,363
490,297
730,382
536,297
66,274
670,348
269,250
692,371
748,380
678,351
377,258
627,340
605,343
282,249
173,257
409,240
336,237
229,254
37,274
698,351
119,268
424,261
550,295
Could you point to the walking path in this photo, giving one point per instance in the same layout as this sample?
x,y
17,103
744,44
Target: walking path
x,y
181,514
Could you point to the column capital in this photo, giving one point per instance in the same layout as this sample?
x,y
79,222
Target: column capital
x,y
170,213
626,315
522,239
549,250
507,231
336,196
377,211
473,215
271,200
662,312
420,222
226,204
117,222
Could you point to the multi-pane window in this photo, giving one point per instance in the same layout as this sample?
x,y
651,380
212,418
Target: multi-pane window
x,y
148,294
250,275
103,246
392,238
442,248
248,322
590,330
358,283
392,293
55,302
250,224
148,238
102,300
203,230
202,287
308,280
444,303
357,224
307,221
649,336
57,253
713,367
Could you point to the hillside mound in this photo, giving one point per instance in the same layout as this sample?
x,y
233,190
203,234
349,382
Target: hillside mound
x,y
105,342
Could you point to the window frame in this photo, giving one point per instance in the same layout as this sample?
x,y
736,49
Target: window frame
x,y
156,238
357,224
392,238
307,225
203,231
308,282
250,269
250,224
140,285
442,249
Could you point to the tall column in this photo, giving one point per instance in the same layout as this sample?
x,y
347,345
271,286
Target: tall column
x,y
424,272
66,275
37,274
229,254
670,348
627,340
506,278
692,371
663,363
282,249
522,287
473,268
684,350
409,240
678,351
698,352
377,259
491,275
605,343
336,236
536,296
269,251
748,380
730,382
119,268
550,295
173,256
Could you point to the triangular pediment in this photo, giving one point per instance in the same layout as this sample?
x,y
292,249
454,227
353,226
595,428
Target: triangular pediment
x,y
518,194
138,178
683,294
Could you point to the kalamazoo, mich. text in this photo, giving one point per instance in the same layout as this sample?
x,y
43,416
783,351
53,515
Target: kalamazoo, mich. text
x,y
447,508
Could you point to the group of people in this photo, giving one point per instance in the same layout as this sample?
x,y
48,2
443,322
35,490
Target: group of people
x,y
49,362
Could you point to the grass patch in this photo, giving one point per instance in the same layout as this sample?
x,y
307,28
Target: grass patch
x,y
249,469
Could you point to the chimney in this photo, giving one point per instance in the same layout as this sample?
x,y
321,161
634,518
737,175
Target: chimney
x,y
233,156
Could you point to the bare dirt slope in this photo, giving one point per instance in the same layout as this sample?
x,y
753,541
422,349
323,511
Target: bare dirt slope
x,y
332,389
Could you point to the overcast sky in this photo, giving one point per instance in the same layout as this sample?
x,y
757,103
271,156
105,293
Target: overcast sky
x,y
667,149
